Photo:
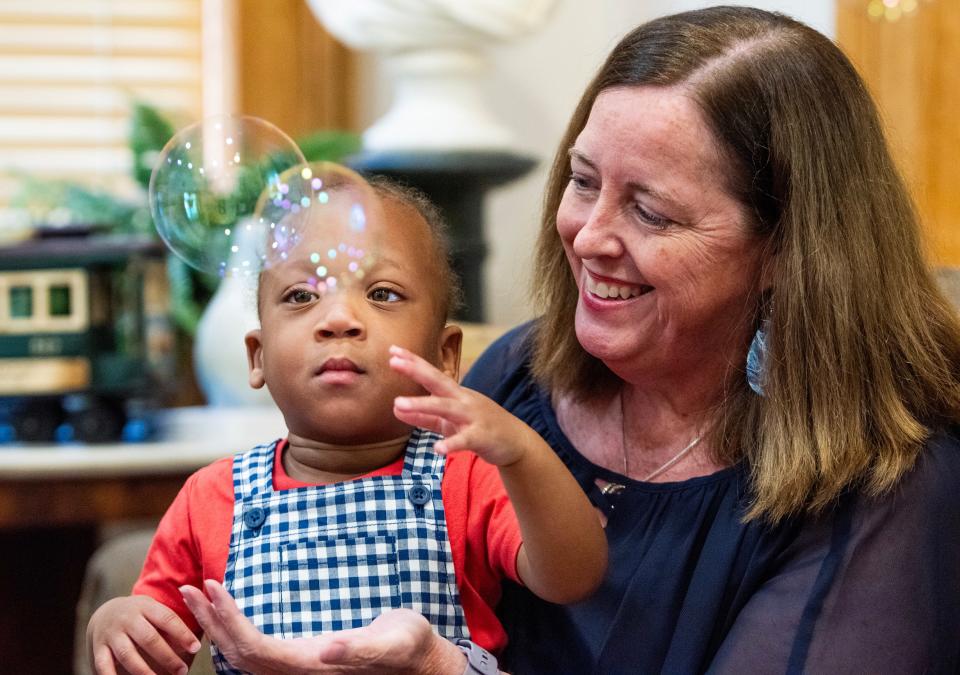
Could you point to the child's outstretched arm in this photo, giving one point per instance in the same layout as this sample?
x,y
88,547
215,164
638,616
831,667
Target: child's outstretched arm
x,y
564,552
138,635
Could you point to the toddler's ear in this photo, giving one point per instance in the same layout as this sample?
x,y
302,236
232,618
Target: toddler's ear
x,y
255,358
451,340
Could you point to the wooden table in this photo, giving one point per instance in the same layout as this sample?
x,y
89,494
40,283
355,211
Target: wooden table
x,y
54,500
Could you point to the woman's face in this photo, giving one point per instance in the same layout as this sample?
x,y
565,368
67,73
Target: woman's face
x,y
663,256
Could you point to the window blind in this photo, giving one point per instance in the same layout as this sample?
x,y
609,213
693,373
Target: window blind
x,y
69,72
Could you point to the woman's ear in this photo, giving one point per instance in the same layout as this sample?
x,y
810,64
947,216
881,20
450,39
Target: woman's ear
x,y
769,260
451,340
255,358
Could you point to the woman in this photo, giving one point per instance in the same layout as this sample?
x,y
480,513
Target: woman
x,y
724,190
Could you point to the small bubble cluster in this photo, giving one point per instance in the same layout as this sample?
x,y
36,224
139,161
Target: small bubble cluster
x,y
322,209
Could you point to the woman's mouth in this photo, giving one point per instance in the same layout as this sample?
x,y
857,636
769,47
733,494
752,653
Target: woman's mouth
x,y
609,290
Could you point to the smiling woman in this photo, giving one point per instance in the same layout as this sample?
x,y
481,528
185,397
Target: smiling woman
x,y
647,214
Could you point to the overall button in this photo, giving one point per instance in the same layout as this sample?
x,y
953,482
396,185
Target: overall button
x,y
419,495
254,518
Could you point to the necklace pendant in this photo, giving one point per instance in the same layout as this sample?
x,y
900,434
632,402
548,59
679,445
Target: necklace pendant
x,y
612,489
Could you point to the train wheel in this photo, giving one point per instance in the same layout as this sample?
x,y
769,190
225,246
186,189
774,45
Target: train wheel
x,y
99,423
38,421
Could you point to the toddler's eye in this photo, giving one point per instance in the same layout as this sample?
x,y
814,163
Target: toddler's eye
x,y
298,296
383,294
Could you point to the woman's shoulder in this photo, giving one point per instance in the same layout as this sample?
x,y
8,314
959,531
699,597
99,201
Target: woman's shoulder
x,y
852,581
923,501
943,448
503,365
934,482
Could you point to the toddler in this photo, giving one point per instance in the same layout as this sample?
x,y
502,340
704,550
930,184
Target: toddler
x,y
395,486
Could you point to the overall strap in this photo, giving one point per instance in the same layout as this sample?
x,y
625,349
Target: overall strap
x,y
419,457
253,471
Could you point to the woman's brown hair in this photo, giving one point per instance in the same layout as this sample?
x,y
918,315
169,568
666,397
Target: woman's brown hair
x,y
863,351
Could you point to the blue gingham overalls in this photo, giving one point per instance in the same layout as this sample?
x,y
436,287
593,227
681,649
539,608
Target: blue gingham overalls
x,y
329,557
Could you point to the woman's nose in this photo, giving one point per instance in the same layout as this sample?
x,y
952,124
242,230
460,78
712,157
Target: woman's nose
x,y
599,235
339,321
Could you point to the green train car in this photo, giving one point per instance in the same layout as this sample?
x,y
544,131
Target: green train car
x,y
83,338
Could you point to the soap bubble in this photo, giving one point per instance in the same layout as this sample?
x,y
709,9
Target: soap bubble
x,y
205,187
322,219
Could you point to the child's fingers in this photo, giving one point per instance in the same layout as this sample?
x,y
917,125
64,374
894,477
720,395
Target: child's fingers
x,y
152,644
170,623
447,409
415,419
422,372
455,443
127,656
103,660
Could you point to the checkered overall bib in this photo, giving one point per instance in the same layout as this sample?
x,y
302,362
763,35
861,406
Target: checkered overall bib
x,y
325,558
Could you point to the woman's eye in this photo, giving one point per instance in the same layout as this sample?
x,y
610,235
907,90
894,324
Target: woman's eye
x,y
580,182
650,218
382,294
299,296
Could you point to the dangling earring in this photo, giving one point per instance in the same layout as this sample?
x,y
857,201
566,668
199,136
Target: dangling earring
x,y
757,357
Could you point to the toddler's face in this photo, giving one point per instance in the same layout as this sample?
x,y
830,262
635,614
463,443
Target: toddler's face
x,y
324,355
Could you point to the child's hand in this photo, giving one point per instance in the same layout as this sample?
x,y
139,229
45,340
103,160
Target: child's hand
x,y
138,635
467,419
397,641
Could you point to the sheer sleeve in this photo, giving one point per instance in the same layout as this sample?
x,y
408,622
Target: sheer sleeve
x,y
874,587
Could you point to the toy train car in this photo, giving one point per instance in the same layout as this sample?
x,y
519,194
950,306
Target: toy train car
x,y
82,338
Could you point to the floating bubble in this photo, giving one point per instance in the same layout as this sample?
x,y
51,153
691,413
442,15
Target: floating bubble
x,y
205,187
318,220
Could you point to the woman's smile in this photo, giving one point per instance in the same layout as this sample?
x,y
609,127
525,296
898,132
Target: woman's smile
x,y
606,288
605,295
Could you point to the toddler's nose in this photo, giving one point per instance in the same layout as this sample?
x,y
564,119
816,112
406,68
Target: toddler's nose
x,y
339,321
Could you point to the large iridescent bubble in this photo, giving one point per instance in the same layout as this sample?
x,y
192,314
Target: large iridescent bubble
x,y
206,185
323,219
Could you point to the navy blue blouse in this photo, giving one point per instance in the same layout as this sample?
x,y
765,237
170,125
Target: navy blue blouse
x,y
871,587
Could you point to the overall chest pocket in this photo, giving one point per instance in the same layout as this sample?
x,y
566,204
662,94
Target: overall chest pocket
x,y
334,583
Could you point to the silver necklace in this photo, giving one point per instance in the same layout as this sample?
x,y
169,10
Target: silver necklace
x,y
615,488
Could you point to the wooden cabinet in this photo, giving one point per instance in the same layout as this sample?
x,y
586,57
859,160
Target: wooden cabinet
x,y
910,66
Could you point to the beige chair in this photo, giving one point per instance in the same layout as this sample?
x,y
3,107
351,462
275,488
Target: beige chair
x,y
949,279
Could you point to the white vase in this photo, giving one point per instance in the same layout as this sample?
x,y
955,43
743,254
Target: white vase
x,y
434,55
219,350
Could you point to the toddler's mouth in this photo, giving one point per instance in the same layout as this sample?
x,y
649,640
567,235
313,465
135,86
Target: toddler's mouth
x,y
339,364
